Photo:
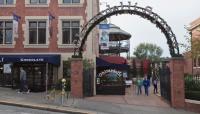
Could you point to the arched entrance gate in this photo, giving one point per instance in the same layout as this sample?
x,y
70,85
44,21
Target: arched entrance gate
x,y
146,13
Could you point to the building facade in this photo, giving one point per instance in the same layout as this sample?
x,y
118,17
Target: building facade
x,y
43,39
192,63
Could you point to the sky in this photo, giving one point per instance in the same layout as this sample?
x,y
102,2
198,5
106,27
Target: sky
x,y
177,14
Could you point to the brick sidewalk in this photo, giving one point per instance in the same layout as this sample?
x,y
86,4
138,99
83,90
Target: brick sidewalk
x,y
128,104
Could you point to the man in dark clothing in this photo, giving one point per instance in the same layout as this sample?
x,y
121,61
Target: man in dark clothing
x,y
23,86
146,84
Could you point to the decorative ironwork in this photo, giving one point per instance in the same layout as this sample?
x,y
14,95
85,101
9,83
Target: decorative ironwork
x,y
76,43
145,13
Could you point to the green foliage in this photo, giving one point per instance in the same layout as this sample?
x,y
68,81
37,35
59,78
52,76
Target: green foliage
x,y
87,64
148,51
192,84
67,68
192,87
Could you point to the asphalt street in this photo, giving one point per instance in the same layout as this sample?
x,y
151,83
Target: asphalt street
x,y
4,109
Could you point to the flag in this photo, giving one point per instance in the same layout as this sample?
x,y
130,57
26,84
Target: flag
x,y
51,17
16,19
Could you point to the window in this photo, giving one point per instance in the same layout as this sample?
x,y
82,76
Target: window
x,y
37,32
6,33
6,2
38,1
69,31
71,1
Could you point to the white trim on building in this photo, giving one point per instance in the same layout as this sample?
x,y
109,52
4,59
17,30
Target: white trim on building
x,y
59,35
28,4
8,18
25,28
61,4
9,5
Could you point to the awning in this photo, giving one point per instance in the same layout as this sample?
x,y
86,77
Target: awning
x,y
102,63
117,34
51,58
114,59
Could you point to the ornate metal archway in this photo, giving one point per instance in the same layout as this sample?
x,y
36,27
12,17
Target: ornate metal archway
x,y
145,13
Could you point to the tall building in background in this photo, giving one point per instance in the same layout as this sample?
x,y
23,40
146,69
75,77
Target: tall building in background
x,y
38,35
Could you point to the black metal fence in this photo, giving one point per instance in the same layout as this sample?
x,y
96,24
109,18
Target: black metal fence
x,y
165,85
88,82
192,87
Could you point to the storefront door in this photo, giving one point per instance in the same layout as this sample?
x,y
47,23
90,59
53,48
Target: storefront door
x,y
35,76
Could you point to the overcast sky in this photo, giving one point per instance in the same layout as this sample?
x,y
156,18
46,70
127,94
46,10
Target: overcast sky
x,y
176,13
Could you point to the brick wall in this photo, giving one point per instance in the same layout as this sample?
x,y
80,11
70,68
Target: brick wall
x,y
55,10
177,83
77,78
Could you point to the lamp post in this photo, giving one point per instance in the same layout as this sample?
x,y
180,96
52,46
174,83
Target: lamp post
x,y
63,90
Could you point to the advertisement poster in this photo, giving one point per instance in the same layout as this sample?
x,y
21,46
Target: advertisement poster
x,y
7,68
104,36
104,39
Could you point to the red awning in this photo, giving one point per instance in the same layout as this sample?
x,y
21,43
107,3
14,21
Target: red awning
x,y
114,59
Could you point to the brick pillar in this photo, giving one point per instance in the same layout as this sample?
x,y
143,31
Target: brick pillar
x,y
177,82
77,77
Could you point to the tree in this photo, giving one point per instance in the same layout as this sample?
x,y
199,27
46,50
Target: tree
x,y
148,51
192,45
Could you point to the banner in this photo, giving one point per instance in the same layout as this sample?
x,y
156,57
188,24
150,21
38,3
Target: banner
x,y
104,40
15,25
51,17
104,36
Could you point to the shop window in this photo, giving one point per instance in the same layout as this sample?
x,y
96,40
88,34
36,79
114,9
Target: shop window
x,y
6,34
38,1
6,2
71,1
37,32
69,31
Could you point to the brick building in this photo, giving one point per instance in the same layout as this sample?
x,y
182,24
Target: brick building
x,y
192,64
45,36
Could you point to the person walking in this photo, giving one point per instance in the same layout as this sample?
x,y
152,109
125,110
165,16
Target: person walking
x,y
23,85
139,86
155,85
146,84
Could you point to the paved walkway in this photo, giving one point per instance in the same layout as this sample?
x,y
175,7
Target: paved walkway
x,y
131,98
128,104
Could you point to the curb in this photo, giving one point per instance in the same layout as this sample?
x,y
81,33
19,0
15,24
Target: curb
x,y
46,108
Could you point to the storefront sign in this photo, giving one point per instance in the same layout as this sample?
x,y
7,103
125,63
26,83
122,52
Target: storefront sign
x,y
49,58
119,73
32,60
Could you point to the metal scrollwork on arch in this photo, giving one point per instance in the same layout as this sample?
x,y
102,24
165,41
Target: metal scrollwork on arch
x,y
145,13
